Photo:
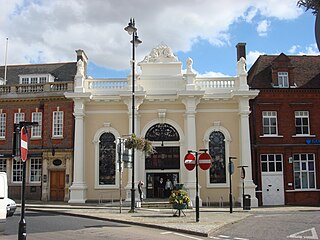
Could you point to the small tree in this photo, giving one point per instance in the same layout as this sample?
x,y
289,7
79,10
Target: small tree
x,y
314,5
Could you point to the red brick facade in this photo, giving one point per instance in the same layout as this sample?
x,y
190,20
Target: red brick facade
x,y
286,144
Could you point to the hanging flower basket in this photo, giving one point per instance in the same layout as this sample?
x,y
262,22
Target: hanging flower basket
x,y
140,144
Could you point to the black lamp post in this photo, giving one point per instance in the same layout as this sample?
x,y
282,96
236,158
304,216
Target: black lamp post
x,y
132,30
231,170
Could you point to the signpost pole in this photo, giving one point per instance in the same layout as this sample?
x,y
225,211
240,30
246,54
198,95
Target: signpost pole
x,y
22,223
191,161
21,135
231,169
24,152
243,176
197,189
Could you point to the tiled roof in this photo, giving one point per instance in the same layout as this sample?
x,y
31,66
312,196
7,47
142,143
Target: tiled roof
x,y
306,70
61,71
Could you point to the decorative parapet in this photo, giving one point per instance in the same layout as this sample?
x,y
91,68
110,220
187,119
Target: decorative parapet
x,y
216,83
97,85
37,88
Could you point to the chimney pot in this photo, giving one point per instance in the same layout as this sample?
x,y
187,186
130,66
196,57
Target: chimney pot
x,y
241,50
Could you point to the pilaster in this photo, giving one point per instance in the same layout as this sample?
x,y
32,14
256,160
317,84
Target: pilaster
x,y
245,152
191,103
78,189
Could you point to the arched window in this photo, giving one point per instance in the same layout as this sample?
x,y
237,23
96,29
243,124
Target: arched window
x,y
217,151
162,132
165,157
107,159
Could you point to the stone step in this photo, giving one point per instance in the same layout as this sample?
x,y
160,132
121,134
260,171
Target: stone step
x,y
161,204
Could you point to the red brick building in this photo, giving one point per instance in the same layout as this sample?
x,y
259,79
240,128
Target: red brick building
x,y
285,129
35,92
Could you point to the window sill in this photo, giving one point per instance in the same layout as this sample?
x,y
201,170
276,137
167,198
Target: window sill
x,y
271,136
304,190
217,185
57,137
2,138
303,135
35,138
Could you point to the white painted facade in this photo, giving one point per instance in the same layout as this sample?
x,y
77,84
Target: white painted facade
x,y
194,106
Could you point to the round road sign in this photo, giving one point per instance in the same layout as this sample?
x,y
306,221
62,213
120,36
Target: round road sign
x,y
205,161
190,161
24,144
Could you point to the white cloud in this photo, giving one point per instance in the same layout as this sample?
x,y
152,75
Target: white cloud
x,y
310,49
49,31
263,28
293,49
212,74
252,57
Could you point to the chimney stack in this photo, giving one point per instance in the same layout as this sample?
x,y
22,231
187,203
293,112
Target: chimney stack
x,y
82,55
241,50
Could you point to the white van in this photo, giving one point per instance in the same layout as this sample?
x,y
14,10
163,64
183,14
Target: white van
x,y
3,204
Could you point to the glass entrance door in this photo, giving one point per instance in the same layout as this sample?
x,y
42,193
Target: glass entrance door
x,y
159,185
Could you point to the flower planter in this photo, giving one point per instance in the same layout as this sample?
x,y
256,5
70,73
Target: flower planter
x,y
179,206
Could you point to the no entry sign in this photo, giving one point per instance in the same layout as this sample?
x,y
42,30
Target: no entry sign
x,y
190,161
205,161
24,144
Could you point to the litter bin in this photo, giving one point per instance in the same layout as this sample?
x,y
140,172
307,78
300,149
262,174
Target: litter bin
x,y
246,202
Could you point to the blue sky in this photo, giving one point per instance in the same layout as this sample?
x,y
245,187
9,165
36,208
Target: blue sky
x,y
42,31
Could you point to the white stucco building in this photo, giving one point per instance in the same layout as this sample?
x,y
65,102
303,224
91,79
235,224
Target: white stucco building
x,y
178,112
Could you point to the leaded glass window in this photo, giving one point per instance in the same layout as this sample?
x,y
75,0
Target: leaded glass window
x,y
217,152
107,159
162,132
165,157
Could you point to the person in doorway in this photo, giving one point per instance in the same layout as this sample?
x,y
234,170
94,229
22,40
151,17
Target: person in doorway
x,y
168,187
140,185
161,188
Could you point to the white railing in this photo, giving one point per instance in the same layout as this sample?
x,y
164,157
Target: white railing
x,y
106,84
205,83
111,85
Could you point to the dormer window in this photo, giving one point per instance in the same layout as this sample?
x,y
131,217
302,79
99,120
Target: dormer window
x,y
35,78
283,80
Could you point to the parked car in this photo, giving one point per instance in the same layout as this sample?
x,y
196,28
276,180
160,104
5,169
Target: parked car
x,y
11,206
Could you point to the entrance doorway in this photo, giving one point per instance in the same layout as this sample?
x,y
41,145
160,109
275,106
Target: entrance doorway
x,y
156,188
57,185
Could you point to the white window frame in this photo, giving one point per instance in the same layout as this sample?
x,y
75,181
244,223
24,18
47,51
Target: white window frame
x,y
57,124
305,167
302,115
269,115
17,169
270,160
24,80
3,121
3,165
35,78
35,170
283,79
18,117
36,131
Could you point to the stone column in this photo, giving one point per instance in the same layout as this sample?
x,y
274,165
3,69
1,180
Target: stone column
x,y
189,177
138,155
78,189
245,152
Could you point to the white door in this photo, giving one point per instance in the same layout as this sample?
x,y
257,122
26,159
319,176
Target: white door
x,y
272,189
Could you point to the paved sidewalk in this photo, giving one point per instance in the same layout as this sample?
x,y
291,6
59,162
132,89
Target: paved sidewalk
x,y
210,218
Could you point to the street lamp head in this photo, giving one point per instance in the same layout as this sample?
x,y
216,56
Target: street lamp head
x,y
137,41
131,27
